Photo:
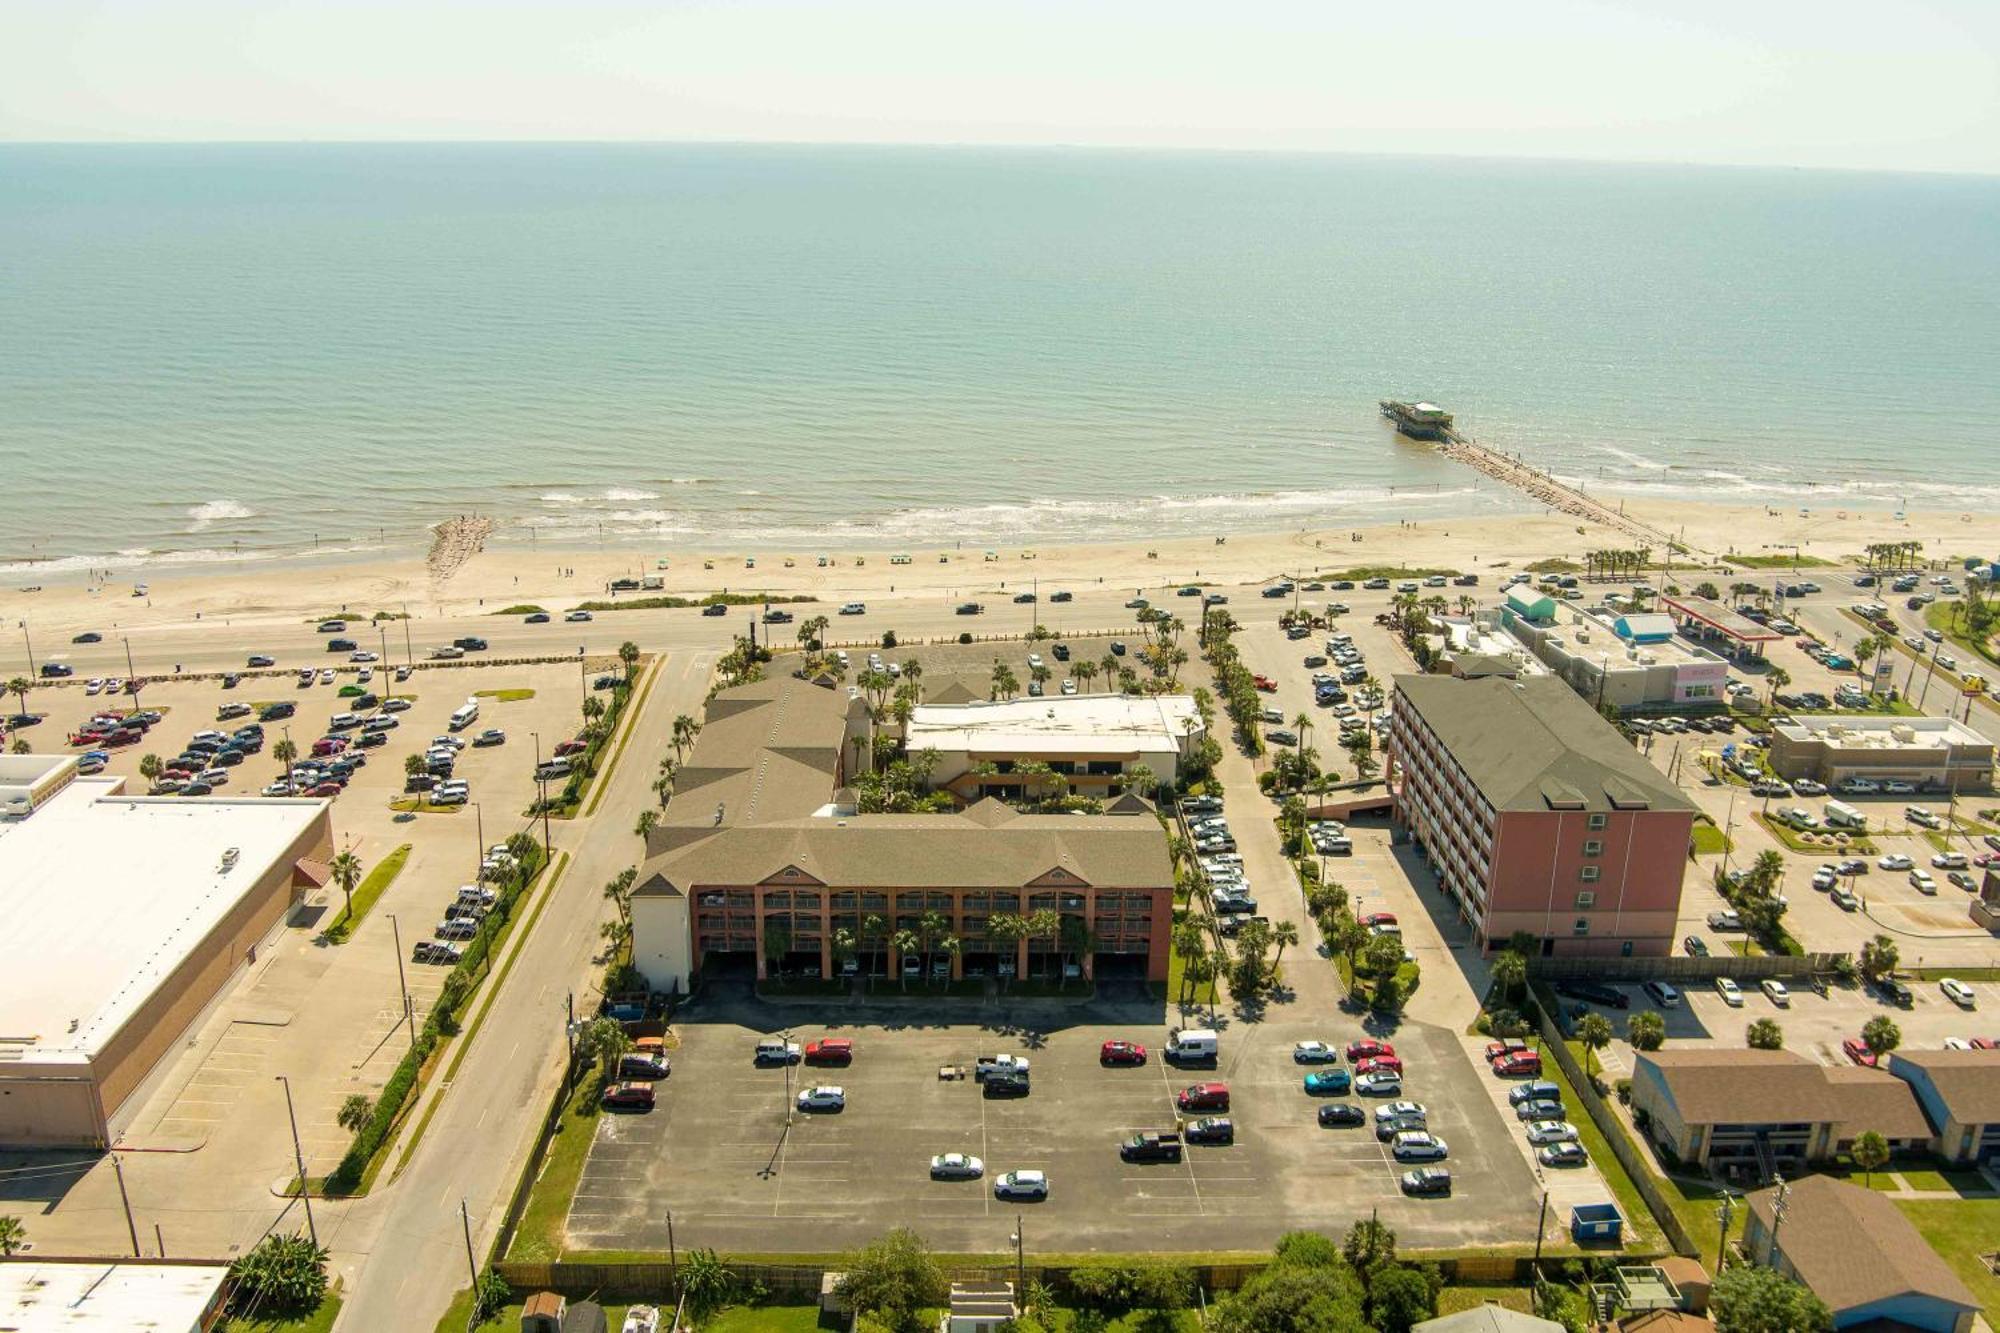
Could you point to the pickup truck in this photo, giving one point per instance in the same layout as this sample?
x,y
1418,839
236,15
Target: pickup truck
x,y
1000,1064
1152,1147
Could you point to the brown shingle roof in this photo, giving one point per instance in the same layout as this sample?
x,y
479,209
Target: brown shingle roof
x,y
1854,1247
1745,1087
1533,744
1878,1100
1968,1081
1666,1321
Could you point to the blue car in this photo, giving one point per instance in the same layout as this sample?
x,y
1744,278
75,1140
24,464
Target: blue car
x,y
1323,1082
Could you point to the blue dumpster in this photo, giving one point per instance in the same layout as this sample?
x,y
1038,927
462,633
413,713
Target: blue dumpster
x,y
1595,1224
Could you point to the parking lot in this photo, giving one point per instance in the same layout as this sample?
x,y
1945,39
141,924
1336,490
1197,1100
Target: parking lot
x,y
717,1153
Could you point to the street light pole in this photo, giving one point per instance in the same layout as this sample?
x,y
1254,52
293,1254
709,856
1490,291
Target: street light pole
x,y
1020,1239
30,645
409,1011
299,1157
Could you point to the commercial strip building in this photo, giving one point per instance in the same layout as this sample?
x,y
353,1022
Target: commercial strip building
x,y
95,1297
1537,815
763,856
1092,741
1936,753
1634,663
1763,1111
1858,1253
120,919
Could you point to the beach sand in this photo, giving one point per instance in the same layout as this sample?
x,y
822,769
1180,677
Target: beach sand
x,y
461,575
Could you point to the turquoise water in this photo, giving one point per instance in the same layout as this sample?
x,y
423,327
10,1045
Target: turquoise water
x,y
212,350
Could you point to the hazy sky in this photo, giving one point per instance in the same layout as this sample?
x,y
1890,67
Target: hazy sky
x,y
1911,84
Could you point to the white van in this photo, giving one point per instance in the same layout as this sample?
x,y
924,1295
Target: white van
x,y
1192,1044
465,715
1839,814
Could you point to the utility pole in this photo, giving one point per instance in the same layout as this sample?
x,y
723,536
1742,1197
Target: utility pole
x,y
118,1166
673,1257
1722,1215
1541,1225
409,1011
1778,1204
299,1157
465,1219
1020,1239
30,645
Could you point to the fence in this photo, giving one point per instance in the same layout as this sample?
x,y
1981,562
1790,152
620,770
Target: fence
x,y
1613,1130
1697,970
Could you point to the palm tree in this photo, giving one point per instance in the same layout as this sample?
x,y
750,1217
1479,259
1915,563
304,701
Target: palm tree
x,y
1777,680
1008,929
1085,671
19,687
843,947
951,946
648,821
1510,972
1005,684
12,1236
413,766
1045,925
903,942
346,870
1109,665
812,631
628,655
1283,933
872,928
150,768
685,730
1595,1033
1870,1152
931,927
593,711
355,1112
286,753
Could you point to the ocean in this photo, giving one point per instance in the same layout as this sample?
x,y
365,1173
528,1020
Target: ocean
x,y
213,352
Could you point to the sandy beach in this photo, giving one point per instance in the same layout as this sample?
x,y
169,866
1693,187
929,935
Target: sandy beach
x,y
462,574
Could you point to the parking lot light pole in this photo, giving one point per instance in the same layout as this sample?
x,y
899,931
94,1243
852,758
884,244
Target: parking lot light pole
x,y
673,1258
409,1011
30,644
1020,1239
299,1157
787,1037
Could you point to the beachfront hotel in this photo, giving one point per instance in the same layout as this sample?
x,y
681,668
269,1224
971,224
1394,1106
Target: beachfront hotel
x,y
763,855
1537,816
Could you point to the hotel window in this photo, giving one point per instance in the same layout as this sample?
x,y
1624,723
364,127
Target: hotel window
x,y
1597,821
1593,847
1586,900
1582,926
1588,874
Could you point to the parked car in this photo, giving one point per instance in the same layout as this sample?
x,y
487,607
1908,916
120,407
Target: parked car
x,y
1564,1154
1022,1185
823,1099
956,1166
628,1097
1121,1053
830,1051
1427,1180
1341,1114
1418,1145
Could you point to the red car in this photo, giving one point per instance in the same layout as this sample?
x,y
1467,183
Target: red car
x,y
1380,1064
327,745
830,1051
572,746
628,1097
1204,1097
1121,1053
1374,919
325,789
1368,1049
1521,1064
1265,683
1496,1049
1984,1043
1857,1051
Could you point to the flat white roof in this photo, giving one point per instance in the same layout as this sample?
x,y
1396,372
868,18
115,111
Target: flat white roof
x,y
1056,724
1880,731
102,896
86,1298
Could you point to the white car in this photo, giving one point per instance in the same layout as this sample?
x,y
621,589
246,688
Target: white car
x,y
1959,993
1068,686
956,1166
1894,861
1807,787
1949,861
1396,1109
1861,786
822,1099
326,675
1774,990
1947,661
1416,1145
1731,993
1315,1053
577,617
95,685
1551,1131
854,609
1021,1185
362,655
1921,881
1034,660
1894,787
1379,1084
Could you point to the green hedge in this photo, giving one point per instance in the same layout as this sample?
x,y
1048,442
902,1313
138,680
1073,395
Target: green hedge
x,y
458,986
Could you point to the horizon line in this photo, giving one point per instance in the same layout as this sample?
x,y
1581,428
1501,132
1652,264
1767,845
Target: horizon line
x,y
1008,146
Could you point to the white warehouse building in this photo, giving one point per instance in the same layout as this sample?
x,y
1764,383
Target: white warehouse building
x,y
1091,740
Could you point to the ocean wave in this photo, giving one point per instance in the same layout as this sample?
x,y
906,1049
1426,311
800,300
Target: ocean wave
x,y
207,514
134,559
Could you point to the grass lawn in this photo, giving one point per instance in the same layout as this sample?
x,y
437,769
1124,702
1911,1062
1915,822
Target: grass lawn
x,y
1709,840
539,1238
1961,1181
367,891
1452,1300
505,696
764,1319
1779,561
1856,845
1960,1231
1640,1229
410,805
1176,967
319,1321
1938,616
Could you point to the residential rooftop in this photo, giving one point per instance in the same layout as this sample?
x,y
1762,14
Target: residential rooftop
x,y
106,895
1533,744
1854,1247
1968,1082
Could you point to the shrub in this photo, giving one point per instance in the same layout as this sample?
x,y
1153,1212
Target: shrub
x,y
965,637
283,1275
1625,1091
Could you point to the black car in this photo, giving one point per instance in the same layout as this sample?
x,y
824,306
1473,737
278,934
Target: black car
x,y
1023,598
715,609
1596,994
1342,585
1118,647
369,739
227,758
197,789
536,618
1061,652
57,670
1696,946
88,636
1334,1114
472,643
1427,1180
1894,991
776,617
1061,597
1005,1085
1387,1130
261,660
340,645
273,712
230,679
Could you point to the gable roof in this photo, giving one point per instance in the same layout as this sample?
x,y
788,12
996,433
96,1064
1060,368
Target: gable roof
x,y
1968,1082
1875,1099
1744,1086
1533,744
1854,1247
1487,1319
